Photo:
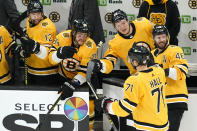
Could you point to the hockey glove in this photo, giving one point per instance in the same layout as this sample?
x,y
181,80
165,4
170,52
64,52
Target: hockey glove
x,y
167,71
97,65
101,104
67,90
66,52
30,46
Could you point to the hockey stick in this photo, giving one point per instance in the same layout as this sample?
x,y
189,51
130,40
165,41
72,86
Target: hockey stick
x,y
96,96
88,78
18,31
50,110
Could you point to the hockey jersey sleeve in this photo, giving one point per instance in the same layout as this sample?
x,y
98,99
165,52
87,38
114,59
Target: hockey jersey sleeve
x,y
178,62
110,59
62,39
7,40
132,95
88,52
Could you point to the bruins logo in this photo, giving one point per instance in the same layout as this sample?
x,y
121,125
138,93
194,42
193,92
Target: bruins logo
x,y
44,24
89,44
158,18
108,18
70,64
137,3
65,35
54,16
193,35
192,4
25,2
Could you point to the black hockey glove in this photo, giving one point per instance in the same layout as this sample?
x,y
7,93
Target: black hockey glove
x,y
67,90
101,104
167,71
66,52
30,46
97,65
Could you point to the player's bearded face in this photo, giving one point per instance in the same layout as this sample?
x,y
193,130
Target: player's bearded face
x,y
122,26
161,41
35,17
80,38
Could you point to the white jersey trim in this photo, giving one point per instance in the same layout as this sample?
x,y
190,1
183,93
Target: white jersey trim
x,y
80,78
42,53
103,70
55,58
172,73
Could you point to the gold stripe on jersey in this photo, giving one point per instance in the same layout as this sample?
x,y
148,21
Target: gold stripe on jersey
x,y
177,98
112,58
53,48
42,71
4,78
183,68
150,127
46,45
82,69
127,105
7,49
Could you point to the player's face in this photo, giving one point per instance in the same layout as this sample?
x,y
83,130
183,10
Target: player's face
x,y
122,26
80,38
35,17
161,41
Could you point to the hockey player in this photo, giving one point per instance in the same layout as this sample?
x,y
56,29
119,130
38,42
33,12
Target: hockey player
x,y
128,33
144,99
163,12
41,34
7,46
72,50
171,58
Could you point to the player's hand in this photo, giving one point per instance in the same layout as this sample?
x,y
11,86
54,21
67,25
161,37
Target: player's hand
x,y
101,104
66,52
30,46
97,65
67,90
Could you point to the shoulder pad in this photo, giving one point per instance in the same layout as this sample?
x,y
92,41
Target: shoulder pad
x,y
88,44
65,35
44,24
